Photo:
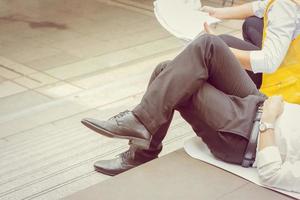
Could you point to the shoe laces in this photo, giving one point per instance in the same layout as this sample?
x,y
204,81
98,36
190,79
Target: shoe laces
x,y
120,115
126,155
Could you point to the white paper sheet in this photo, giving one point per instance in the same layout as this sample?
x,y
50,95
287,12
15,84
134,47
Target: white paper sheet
x,y
182,18
198,149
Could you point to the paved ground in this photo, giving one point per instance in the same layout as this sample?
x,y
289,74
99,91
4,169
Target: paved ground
x,y
61,60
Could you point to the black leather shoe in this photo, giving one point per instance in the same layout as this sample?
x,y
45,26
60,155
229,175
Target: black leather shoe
x,y
125,161
124,125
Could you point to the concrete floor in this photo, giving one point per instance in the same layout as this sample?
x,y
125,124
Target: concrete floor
x,y
60,61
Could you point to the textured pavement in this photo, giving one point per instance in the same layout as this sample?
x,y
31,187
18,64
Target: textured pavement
x,y
60,61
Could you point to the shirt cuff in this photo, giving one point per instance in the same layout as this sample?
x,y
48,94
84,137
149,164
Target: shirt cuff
x,y
268,155
257,61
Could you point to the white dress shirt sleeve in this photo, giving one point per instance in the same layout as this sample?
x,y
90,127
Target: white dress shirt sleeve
x,y
275,173
282,18
259,8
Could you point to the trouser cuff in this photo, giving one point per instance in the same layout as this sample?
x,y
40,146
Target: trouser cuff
x,y
145,118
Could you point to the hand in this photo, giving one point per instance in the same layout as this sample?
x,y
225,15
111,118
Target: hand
x,y
208,29
210,10
272,109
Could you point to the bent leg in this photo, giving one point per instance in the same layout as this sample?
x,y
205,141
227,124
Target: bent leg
x,y
207,58
253,31
136,155
237,43
226,146
156,141
247,46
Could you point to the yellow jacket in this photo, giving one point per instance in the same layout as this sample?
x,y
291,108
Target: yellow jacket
x,y
286,80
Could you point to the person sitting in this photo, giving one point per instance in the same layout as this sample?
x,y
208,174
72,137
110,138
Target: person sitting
x,y
206,84
271,50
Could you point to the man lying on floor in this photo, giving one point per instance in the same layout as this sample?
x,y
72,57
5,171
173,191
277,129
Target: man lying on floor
x,y
206,84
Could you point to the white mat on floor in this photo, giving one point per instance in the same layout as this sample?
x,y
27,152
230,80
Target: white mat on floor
x,y
197,149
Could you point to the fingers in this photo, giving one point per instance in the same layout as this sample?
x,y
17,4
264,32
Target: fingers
x,y
204,9
277,98
207,9
273,107
274,101
208,29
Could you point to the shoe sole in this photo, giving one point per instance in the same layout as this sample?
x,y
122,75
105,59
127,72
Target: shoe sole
x,y
105,172
133,140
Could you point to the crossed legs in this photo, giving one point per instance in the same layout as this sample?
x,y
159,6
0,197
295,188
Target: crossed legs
x,y
222,83
207,85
